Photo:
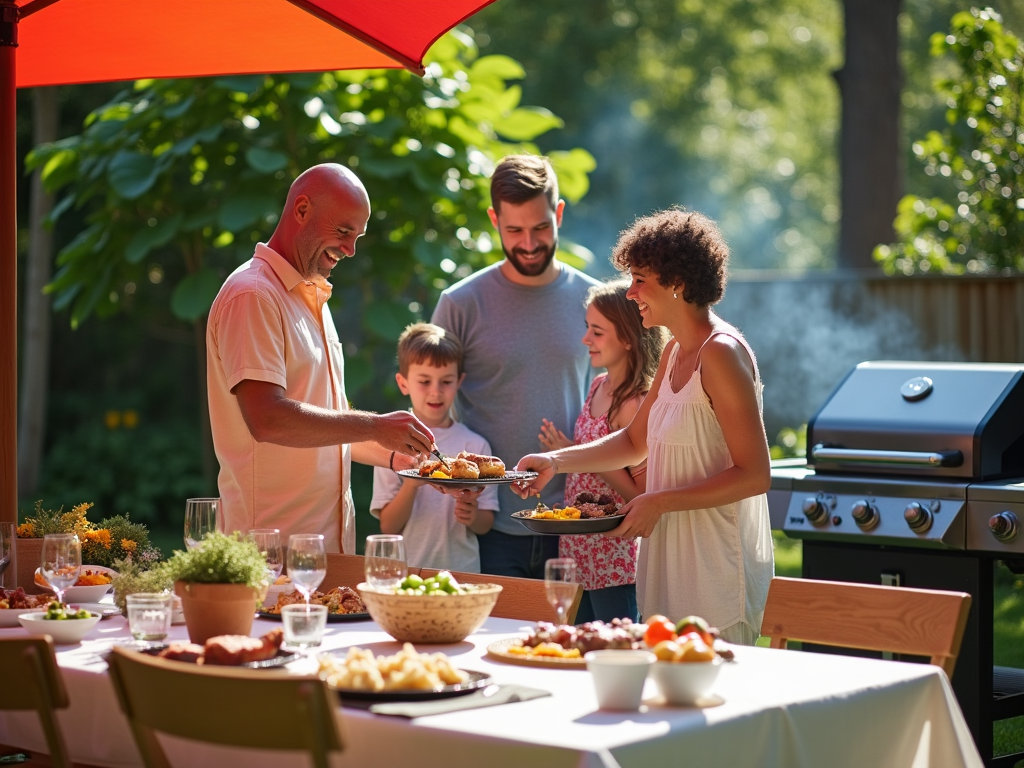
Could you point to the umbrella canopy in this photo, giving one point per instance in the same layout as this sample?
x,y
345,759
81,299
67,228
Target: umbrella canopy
x,y
60,42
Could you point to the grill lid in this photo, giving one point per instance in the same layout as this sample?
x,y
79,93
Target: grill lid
x,y
962,420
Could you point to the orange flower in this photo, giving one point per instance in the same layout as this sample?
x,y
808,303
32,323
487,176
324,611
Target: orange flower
x,y
26,531
128,545
102,537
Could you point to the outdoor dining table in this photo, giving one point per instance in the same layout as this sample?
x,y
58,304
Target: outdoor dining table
x,y
770,708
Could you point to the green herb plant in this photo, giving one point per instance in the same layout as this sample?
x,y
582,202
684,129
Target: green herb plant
x,y
220,559
134,576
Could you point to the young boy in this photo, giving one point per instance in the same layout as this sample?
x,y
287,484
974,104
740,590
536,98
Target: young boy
x,y
440,530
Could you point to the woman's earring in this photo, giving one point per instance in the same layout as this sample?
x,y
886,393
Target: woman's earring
x,y
674,295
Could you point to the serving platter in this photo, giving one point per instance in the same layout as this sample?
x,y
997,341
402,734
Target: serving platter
x,y
499,650
477,680
449,482
283,657
332,618
567,527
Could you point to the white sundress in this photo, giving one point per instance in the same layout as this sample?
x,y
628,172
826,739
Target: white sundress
x,y
715,563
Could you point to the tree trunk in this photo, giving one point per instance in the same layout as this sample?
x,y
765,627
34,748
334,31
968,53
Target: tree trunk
x,y
869,154
35,360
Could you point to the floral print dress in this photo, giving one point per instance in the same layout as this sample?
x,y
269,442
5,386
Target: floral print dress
x,y
601,561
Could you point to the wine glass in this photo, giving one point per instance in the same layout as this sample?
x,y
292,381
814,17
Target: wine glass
x,y
385,561
307,562
560,584
6,546
268,542
62,561
200,519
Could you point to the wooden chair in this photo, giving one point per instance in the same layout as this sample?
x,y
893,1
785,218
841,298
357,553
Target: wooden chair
x,y
524,599
31,680
918,622
343,571
223,705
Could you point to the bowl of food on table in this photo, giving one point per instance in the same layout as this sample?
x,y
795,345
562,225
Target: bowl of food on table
x,y
343,604
15,602
281,586
688,661
564,645
437,609
63,624
94,581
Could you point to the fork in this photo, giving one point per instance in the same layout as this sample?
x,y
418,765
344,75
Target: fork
x,y
442,459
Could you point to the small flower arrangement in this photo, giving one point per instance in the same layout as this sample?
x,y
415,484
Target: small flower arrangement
x,y
113,538
133,577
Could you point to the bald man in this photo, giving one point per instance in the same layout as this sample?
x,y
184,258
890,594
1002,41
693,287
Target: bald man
x,y
282,428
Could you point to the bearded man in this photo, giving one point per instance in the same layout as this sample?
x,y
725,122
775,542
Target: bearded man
x,y
282,427
521,322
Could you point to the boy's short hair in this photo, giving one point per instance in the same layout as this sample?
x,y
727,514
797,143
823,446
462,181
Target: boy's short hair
x,y
430,344
519,178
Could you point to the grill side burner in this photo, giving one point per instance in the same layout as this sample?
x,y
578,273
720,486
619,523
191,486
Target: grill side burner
x,y
906,484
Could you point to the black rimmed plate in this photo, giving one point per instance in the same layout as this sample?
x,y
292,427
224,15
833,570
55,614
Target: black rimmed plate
x,y
476,681
283,657
332,618
567,527
507,479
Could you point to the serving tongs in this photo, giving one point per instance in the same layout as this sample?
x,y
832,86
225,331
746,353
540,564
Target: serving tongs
x,y
442,459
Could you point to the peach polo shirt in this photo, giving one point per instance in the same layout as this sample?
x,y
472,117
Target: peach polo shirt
x,y
269,324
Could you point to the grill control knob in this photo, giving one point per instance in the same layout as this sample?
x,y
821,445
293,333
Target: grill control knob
x,y
865,515
1003,526
816,511
918,517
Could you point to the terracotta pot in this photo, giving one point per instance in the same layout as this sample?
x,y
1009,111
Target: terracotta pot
x,y
217,609
29,553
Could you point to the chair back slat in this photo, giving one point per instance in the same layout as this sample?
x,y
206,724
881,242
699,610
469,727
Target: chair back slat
x,y
32,680
524,599
918,622
343,571
221,704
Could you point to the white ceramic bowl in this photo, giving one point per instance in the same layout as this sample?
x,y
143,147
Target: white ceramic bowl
x,y
685,682
62,631
81,594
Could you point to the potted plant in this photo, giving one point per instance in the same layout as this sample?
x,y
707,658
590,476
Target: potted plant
x,y
134,576
221,583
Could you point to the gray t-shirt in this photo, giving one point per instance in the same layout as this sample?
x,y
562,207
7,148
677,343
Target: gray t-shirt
x,y
525,361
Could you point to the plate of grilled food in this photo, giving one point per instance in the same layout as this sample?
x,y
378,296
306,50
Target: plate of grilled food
x,y
229,651
589,513
467,470
343,604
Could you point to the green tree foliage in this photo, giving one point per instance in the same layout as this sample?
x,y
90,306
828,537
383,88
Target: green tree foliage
x,y
978,225
180,178
727,107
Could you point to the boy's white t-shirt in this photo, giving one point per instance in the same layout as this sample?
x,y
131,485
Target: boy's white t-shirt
x,y
433,537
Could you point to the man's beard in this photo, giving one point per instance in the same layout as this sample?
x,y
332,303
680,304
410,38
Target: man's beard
x,y
533,269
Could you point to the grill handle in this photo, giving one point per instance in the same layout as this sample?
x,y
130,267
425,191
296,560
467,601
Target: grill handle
x,y
902,458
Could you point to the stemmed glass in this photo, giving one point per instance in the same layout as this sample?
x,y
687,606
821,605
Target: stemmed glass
x,y
268,542
385,561
6,545
62,561
307,562
560,584
200,519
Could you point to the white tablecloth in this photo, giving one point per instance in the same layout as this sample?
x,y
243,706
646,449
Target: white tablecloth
x,y
780,708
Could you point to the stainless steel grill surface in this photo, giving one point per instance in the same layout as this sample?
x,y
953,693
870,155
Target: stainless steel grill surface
x,y
915,477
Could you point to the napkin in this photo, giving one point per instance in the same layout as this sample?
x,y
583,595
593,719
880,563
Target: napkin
x,y
487,697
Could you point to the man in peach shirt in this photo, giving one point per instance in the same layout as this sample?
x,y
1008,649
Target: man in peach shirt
x,y
282,427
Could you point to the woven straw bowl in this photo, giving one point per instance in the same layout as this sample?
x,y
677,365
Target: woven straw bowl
x,y
430,618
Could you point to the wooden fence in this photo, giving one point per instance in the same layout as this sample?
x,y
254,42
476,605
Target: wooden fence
x,y
808,331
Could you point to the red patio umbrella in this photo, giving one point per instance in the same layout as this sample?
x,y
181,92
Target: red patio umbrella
x,y
59,42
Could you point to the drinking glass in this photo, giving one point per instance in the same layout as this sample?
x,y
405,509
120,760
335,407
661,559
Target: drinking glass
x,y
385,561
6,547
307,562
62,561
268,542
149,615
303,625
560,584
200,519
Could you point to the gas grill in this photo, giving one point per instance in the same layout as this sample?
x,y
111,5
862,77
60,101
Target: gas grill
x,y
915,477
